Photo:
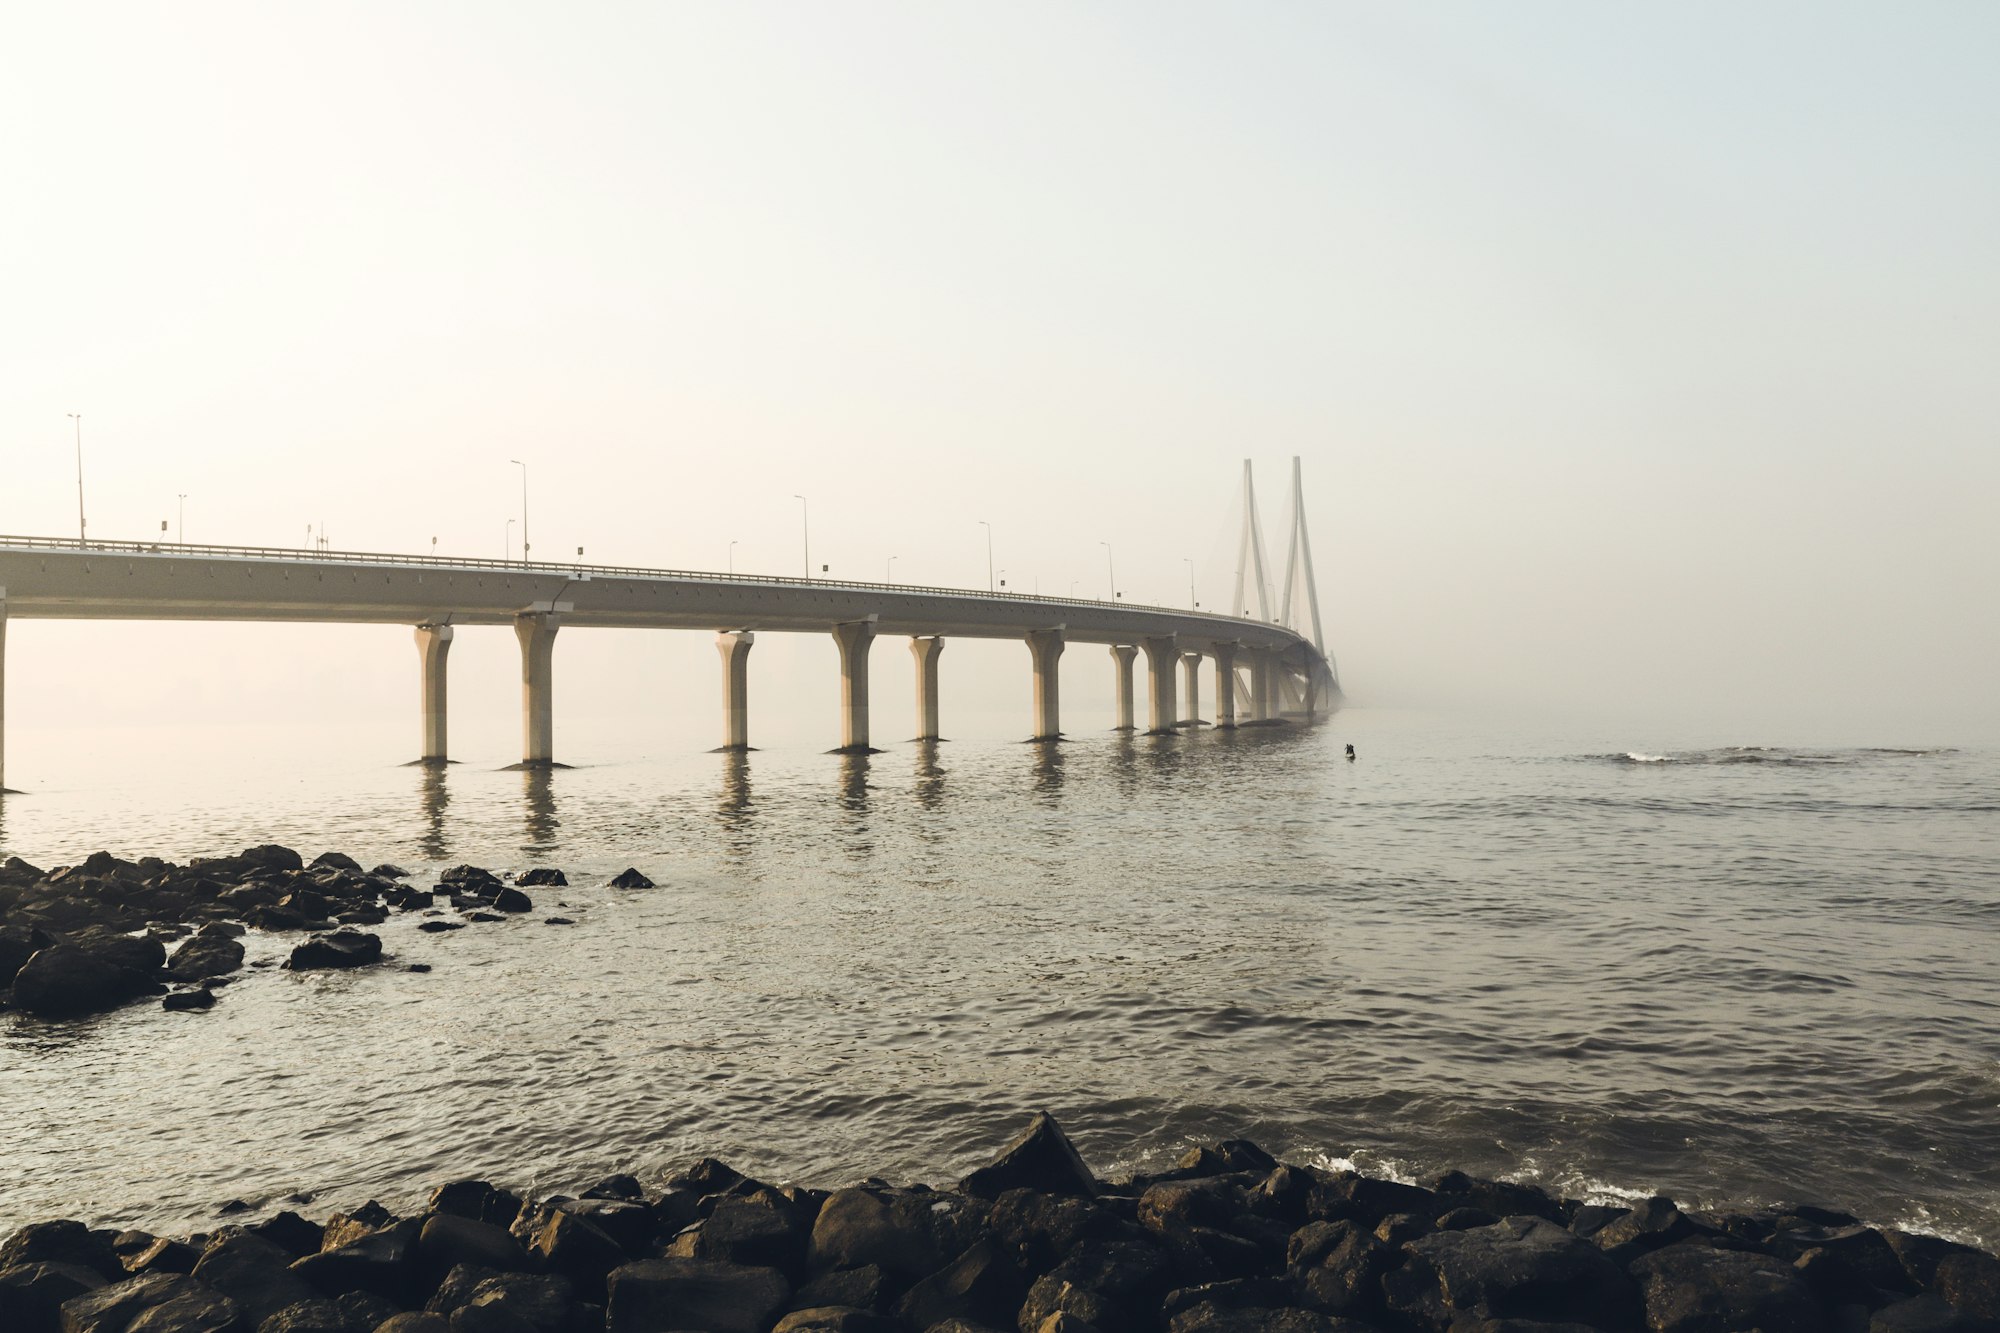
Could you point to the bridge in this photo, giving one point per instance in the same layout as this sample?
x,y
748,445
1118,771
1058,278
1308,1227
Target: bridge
x,y
1265,671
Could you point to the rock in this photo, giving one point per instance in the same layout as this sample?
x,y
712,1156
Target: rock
x,y
857,1227
1920,1255
421,1321
477,1200
32,1295
1179,1204
558,921
1926,1314
1346,1196
565,1243
1520,1268
656,1294
335,861
65,980
62,1242
17,945
1502,1198
541,877
488,1319
513,900
1463,1219
1041,1159
273,857
471,879
194,1309
341,949
1039,1229
483,916
290,1233
383,1263
862,1288
630,878
1110,1283
981,1285
438,927
1225,1157
321,1314
388,870
113,1308
161,1255
1212,1318
253,1272
1971,1281
1337,1268
447,1241
759,1232
203,956
184,1000
542,1303
1692,1288
835,1319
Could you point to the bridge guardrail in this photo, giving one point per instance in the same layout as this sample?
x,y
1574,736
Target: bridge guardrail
x,y
562,570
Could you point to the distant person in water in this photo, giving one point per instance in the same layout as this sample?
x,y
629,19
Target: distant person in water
x,y
1350,752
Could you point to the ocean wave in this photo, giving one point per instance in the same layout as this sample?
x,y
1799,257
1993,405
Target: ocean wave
x,y
1762,754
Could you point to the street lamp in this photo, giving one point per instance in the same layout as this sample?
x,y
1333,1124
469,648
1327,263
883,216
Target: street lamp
x,y
732,557
1189,560
507,543
1003,578
889,571
805,533
1110,569
989,553
77,417
524,507
183,520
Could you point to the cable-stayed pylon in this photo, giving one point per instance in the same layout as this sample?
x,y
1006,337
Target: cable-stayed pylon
x,y
1251,564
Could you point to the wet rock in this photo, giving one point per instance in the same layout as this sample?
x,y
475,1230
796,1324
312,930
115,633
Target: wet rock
x,y
1521,1268
389,870
271,856
1349,1197
254,1273
1502,1198
419,1321
66,980
630,878
1692,1288
471,879
760,1231
447,1241
440,926
835,1319
1213,1318
565,1243
864,1288
478,1200
1464,1219
656,1294
185,1000
542,877
558,921
383,1263
981,1285
17,945
203,956
1337,1268
336,861
542,1303
1230,1155
321,1314
114,1308
162,1255
483,916
1971,1281
1114,1284
32,1295
62,1242
341,949
1399,1229
1926,1314
194,1309
513,900
291,1233
1041,1159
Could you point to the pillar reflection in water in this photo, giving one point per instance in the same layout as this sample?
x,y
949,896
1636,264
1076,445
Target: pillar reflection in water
x,y
734,807
1048,770
853,799
539,816
434,798
930,776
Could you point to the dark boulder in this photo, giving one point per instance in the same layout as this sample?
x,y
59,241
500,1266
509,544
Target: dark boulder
x,y
1520,1268
1337,1268
1041,1158
415,1321
162,1255
542,877
836,1319
17,945
478,1200
1114,1284
540,1303
270,856
1230,1155
291,1233
439,926
383,1263
253,1272
981,1285
864,1288
1696,1289
388,870
1211,1317
630,878
656,1294
32,1295
62,1242
1502,1198
335,861
447,1241
183,1001
120,1306
758,1231
321,1314
1927,1314
513,900
1345,1196
203,956
1971,1281
341,949
65,980
562,1242
193,1309
471,879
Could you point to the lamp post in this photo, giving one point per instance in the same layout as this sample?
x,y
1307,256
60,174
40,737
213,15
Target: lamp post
x,y
889,571
805,533
1111,570
182,520
1003,578
989,553
77,417
1189,560
524,507
732,557
507,543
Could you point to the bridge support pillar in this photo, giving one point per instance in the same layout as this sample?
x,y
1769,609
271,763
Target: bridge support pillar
x,y
3,689
1260,685
1225,685
855,638
734,645
1121,657
926,650
433,646
1191,682
1162,656
537,632
1046,647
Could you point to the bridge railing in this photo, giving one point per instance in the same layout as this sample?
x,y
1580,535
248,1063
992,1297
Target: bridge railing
x,y
556,569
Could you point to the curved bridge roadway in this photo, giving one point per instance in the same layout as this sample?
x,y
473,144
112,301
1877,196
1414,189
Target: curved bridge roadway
x,y
1281,672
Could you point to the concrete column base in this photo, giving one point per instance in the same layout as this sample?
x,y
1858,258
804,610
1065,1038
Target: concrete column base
x,y
734,646
536,631
1225,686
1046,647
433,647
1191,683
1121,657
926,651
1162,657
854,638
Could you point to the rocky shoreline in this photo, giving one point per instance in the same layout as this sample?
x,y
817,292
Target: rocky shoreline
x,y
1230,1241
91,937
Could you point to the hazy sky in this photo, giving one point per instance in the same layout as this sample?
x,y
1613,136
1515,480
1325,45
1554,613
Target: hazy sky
x,y
1638,355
